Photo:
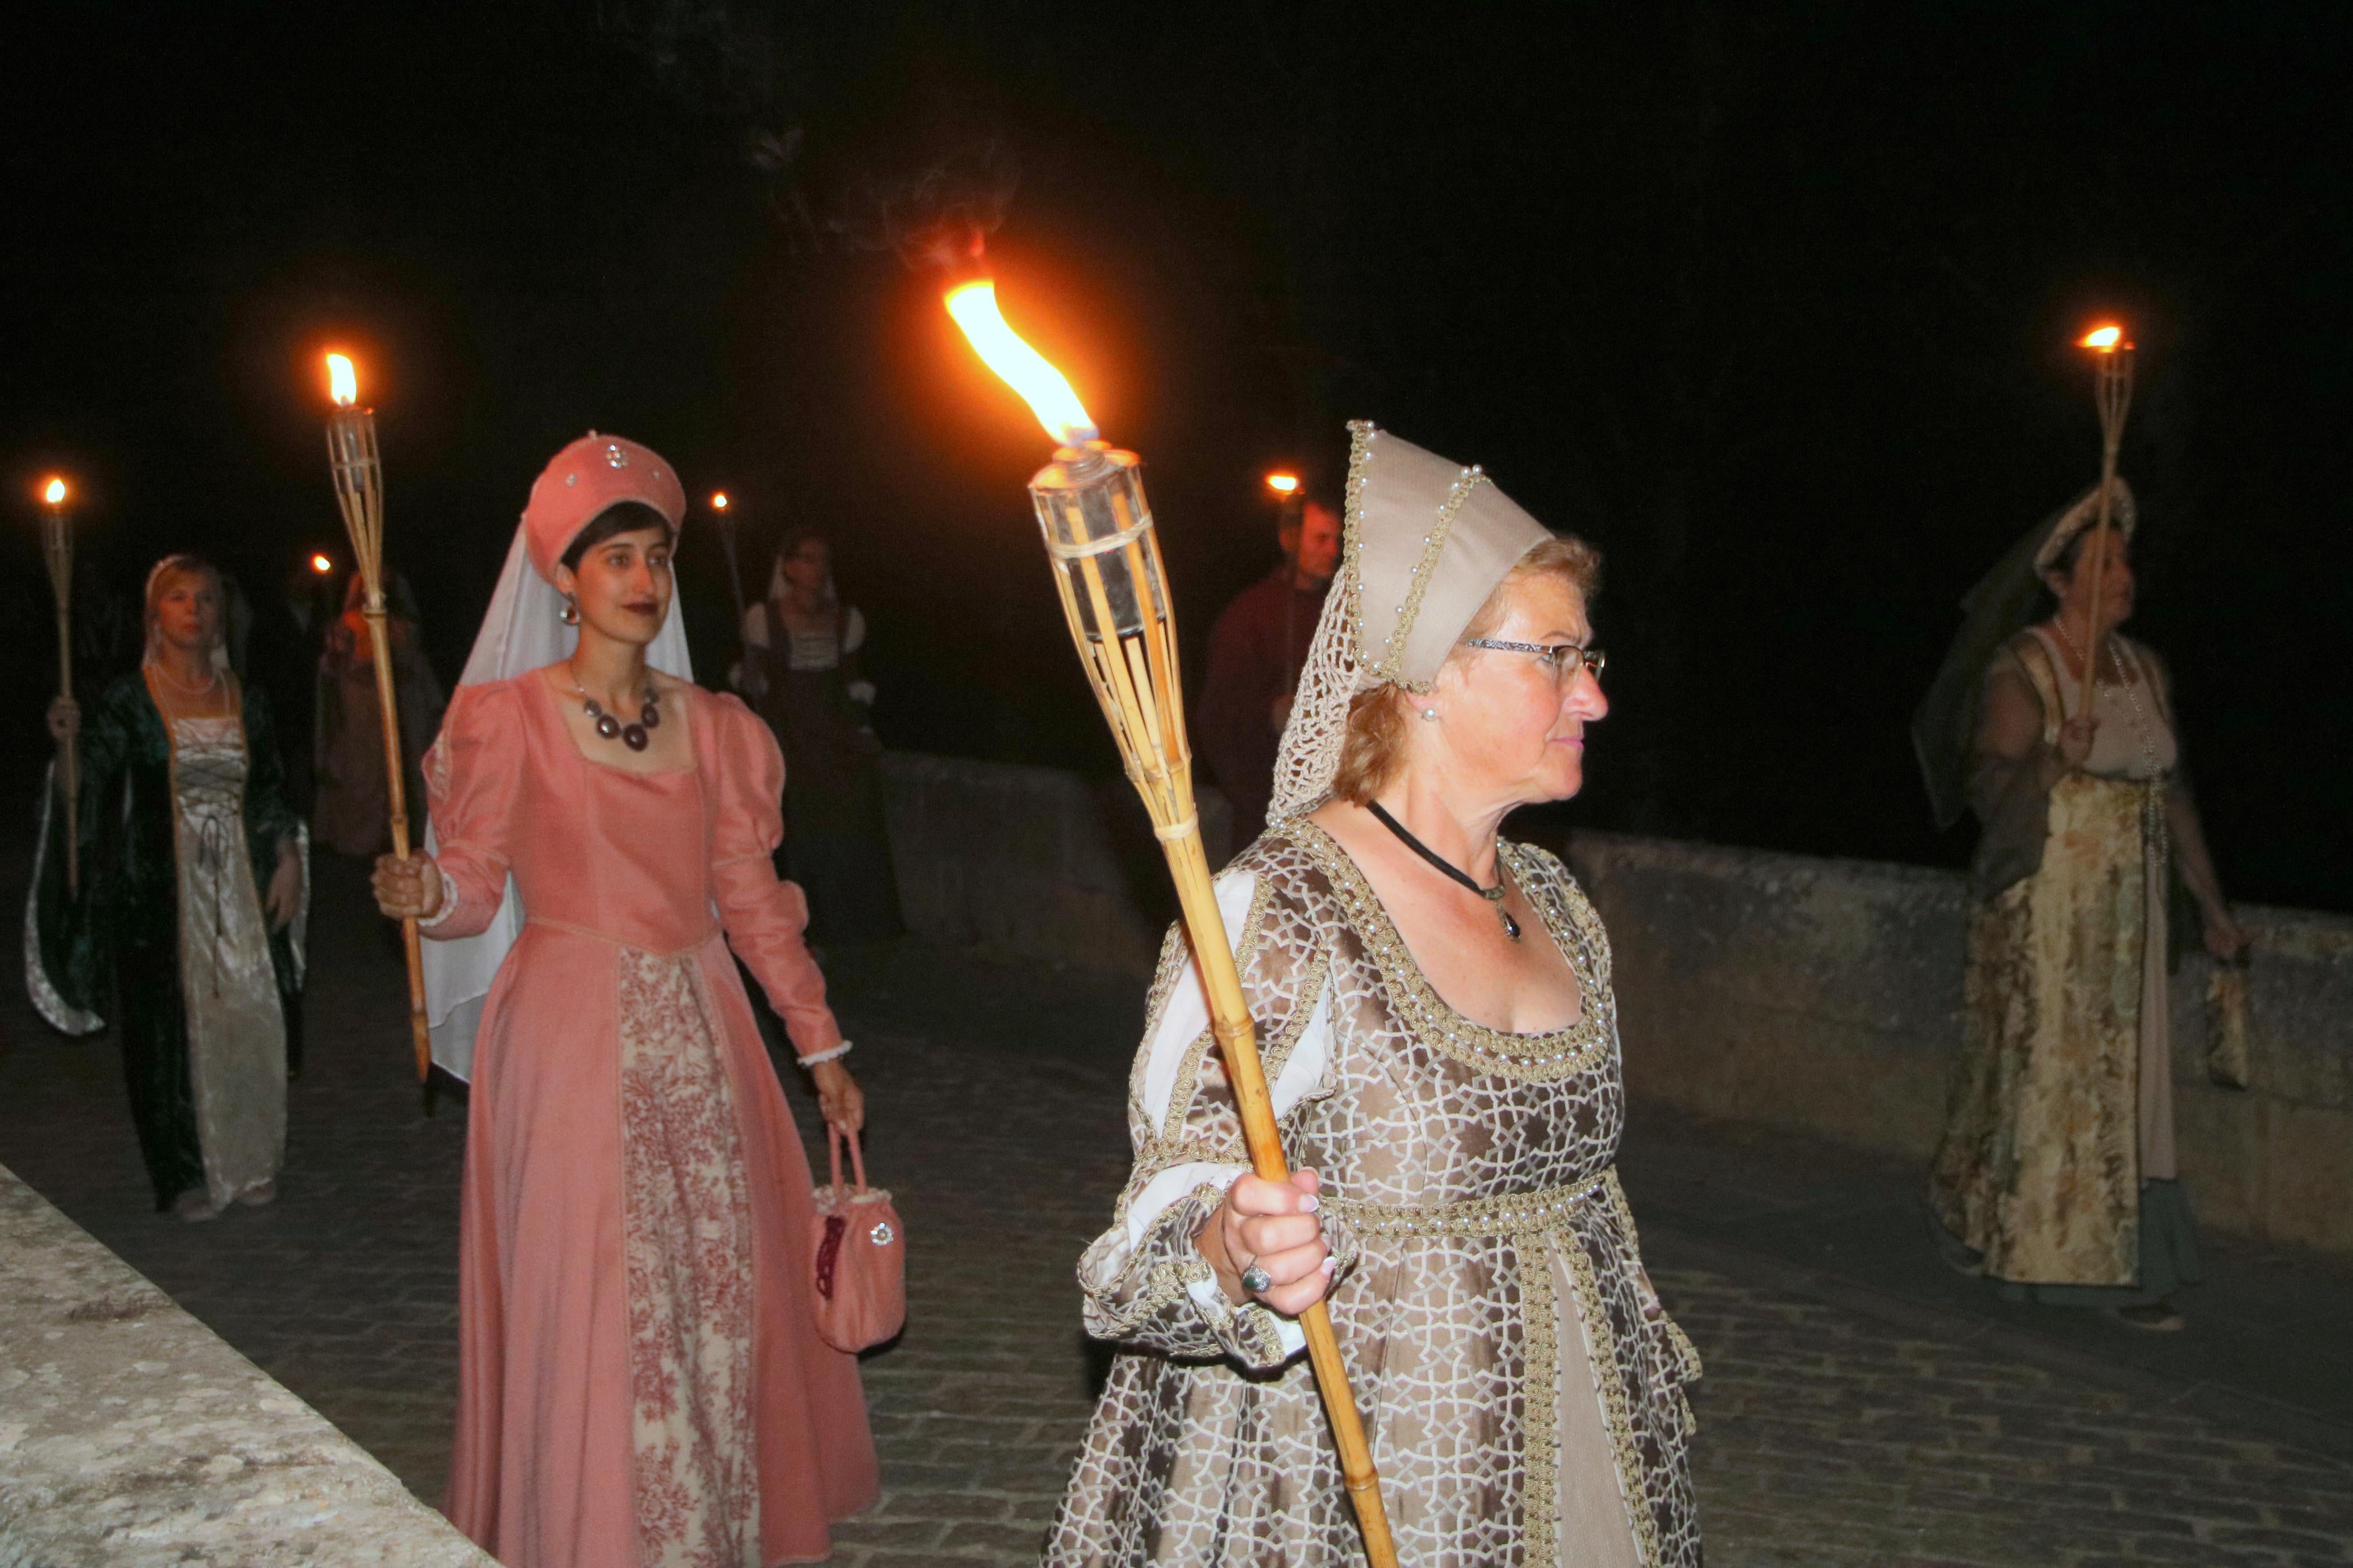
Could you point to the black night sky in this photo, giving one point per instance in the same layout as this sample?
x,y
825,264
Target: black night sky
x,y
1771,302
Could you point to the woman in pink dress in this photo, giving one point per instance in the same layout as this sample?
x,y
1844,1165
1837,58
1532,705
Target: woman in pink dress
x,y
640,1380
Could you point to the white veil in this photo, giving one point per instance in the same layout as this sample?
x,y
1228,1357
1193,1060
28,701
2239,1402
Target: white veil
x,y
521,631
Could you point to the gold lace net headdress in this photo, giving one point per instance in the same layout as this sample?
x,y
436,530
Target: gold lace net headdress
x,y
1424,541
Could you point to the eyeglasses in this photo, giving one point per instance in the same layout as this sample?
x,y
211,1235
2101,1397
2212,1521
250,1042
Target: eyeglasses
x,y
1564,658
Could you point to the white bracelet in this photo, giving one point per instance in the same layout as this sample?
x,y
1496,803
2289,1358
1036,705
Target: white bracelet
x,y
448,902
816,1057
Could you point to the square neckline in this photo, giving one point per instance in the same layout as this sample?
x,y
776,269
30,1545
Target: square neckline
x,y
1415,983
693,762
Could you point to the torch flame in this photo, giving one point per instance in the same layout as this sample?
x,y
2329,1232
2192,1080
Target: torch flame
x,y
342,381
974,306
54,492
1282,484
719,500
322,565
2106,340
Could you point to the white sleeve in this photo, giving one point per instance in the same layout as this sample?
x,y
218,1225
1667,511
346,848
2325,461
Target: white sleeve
x,y
1182,1021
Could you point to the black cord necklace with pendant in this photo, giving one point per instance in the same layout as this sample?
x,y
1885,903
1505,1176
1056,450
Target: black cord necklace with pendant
x,y
1493,894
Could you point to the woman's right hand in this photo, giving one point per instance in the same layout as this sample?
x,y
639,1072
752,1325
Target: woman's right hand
x,y
1274,1225
2075,738
408,889
64,720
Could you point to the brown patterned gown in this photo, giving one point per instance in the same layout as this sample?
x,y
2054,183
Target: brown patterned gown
x,y
1522,1390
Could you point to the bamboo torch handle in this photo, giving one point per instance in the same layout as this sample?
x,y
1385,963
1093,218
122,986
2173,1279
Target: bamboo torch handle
x,y
69,754
396,792
2093,639
1237,1038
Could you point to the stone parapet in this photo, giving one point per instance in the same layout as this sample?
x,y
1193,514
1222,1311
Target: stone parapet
x,y
1820,994
133,1437
1826,995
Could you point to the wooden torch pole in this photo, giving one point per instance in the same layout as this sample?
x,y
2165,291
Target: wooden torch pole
x,y
57,547
755,678
1107,565
359,493
2112,391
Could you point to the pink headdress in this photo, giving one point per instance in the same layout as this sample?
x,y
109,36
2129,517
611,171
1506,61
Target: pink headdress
x,y
522,630
585,478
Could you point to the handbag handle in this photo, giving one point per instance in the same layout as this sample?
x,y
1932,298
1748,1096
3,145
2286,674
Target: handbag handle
x,y
835,1139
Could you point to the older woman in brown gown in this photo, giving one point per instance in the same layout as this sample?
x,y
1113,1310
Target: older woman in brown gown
x,y
1434,1008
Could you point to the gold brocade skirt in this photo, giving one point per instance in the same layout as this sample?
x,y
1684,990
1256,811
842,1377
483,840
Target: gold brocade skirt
x,y
2043,1157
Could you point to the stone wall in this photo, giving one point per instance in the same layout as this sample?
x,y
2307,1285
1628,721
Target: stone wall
x,y
1035,864
132,1436
1826,995
1814,993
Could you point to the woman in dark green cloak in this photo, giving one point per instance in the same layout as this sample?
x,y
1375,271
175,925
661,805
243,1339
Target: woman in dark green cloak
x,y
194,883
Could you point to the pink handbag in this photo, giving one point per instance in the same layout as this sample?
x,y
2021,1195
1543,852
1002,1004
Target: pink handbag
x,y
861,1256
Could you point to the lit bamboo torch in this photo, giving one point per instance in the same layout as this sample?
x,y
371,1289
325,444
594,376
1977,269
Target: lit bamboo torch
x,y
57,548
723,514
1105,557
359,493
2112,387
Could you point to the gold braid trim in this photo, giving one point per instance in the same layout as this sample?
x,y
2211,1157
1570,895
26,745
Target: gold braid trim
x,y
1433,545
1534,1058
1616,1408
1510,1215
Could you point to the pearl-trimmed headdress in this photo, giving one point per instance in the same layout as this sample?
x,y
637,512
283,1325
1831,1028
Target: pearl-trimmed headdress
x,y
1424,541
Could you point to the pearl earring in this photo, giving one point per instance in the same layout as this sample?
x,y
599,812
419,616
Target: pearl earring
x,y
1429,713
570,613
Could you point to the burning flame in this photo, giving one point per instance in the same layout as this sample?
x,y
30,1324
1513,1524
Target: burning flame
x,y
1282,484
974,306
322,565
2106,339
719,500
54,492
342,381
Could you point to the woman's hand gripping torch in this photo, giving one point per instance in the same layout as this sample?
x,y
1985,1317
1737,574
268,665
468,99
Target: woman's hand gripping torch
x,y
1106,561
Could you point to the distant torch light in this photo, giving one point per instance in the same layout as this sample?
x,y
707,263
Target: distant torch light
x,y
719,500
2106,340
54,492
1282,484
342,381
322,565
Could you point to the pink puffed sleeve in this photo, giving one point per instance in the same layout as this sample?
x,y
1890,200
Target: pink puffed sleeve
x,y
763,915
473,776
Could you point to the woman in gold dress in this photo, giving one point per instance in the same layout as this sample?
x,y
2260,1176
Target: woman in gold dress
x,y
2057,1176
1435,1012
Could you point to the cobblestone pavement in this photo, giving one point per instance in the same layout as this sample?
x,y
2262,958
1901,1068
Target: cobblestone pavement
x,y
1840,1424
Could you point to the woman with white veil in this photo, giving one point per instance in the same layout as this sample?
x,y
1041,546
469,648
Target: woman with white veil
x,y
640,1377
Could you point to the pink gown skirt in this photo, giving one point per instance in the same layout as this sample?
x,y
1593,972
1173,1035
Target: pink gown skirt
x,y
636,1227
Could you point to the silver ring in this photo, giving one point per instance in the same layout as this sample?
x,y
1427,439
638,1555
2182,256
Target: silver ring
x,y
1256,1281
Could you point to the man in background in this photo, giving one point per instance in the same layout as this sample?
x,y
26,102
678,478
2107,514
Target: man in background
x,y
1256,651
